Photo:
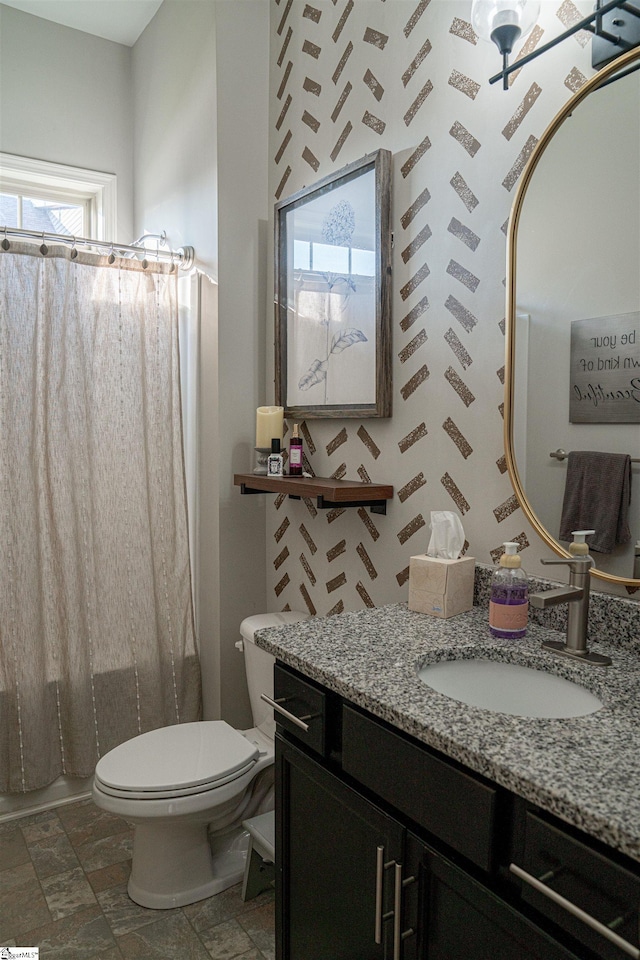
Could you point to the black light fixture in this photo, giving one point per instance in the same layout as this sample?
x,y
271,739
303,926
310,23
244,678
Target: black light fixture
x,y
615,26
504,22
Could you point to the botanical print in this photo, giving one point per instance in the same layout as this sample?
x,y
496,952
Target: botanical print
x,y
339,224
317,372
332,314
332,305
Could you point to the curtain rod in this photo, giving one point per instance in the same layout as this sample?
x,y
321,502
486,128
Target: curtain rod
x,y
184,256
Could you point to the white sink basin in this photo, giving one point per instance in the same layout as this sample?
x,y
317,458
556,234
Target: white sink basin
x,y
509,688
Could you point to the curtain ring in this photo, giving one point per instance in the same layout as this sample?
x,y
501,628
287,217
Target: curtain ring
x,y
5,243
44,249
173,263
112,257
74,252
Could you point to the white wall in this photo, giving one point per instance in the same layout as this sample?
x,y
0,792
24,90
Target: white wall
x,y
242,62
200,73
412,78
65,96
175,173
174,128
186,115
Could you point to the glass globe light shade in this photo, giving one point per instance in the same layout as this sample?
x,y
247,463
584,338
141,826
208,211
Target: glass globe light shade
x,y
504,21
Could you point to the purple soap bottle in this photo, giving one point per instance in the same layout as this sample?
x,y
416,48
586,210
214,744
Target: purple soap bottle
x,y
509,602
295,453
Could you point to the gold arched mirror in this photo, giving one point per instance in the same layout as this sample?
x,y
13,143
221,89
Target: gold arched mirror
x,y
573,303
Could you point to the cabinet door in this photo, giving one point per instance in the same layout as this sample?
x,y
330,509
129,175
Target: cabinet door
x,y
336,857
460,919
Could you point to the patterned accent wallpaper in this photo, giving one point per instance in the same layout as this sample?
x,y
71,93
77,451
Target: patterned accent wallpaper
x,y
410,76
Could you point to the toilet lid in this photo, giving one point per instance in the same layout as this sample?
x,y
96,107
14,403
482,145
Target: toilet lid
x,y
180,759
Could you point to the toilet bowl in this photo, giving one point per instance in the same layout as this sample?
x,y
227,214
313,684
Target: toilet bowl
x,y
187,788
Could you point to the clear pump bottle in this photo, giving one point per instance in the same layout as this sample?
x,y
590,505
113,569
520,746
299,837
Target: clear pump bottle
x,y
509,602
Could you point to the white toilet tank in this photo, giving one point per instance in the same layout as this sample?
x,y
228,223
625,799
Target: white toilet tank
x,y
259,665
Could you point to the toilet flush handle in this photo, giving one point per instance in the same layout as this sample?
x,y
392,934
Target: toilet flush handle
x,y
275,704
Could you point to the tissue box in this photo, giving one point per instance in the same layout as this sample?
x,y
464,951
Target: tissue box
x,y
441,587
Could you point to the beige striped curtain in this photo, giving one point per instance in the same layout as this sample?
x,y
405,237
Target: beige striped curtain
x,y
96,624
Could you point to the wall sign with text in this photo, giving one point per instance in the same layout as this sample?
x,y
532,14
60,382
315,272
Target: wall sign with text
x,y
605,370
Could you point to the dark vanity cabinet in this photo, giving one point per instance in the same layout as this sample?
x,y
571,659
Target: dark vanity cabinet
x,y
387,850
329,885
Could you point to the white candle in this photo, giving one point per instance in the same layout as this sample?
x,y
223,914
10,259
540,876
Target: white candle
x,y
269,424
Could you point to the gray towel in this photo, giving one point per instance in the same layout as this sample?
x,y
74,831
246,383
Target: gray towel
x,y
596,497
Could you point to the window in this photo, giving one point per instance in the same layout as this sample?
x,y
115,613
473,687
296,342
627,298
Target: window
x,y
50,216
54,198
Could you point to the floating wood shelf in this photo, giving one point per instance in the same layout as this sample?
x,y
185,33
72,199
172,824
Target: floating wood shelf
x,y
329,493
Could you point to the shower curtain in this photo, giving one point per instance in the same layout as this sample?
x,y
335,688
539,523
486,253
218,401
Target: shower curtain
x,y
96,622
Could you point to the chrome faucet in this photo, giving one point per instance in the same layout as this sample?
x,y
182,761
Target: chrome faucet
x,y
576,595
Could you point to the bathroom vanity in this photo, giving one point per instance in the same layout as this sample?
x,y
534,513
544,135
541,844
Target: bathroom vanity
x,y
410,825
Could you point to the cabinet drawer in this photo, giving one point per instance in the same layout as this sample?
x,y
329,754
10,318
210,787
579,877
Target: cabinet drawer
x,y
304,702
586,878
452,805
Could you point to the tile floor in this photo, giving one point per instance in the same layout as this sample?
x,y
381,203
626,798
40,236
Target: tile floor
x,y
63,888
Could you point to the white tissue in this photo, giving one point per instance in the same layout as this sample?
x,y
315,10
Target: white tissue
x,y
447,535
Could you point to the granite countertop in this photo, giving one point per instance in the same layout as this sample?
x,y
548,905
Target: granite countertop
x,y
585,770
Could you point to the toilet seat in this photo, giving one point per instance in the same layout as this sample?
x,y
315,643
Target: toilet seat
x,y
178,760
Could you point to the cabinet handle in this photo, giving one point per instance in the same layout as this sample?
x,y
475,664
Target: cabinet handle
x,y
379,883
398,934
285,713
381,866
575,911
397,909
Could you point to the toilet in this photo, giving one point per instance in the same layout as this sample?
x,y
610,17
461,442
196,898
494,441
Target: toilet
x,y
187,788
